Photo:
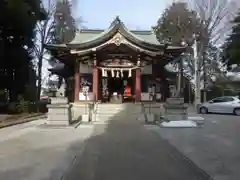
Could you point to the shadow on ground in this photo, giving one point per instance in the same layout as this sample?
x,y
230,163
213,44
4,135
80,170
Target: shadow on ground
x,y
123,149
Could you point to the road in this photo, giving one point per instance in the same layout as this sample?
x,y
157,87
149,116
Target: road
x,y
125,149
121,149
215,148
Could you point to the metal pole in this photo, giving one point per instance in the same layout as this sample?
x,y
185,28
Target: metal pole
x,y
179,79
182,78
189,92
203,49
197,100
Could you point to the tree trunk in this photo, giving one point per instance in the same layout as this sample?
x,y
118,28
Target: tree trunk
x,y
39,86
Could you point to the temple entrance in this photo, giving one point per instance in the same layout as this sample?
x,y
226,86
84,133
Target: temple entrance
x,y
117,89
116,85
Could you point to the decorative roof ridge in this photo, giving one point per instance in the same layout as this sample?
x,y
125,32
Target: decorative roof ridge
x,y
91,30
143,32
116,21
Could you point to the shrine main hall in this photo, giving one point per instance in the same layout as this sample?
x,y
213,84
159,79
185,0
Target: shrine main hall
x,y
115,65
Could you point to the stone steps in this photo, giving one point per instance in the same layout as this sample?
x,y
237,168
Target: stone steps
x,y
106,112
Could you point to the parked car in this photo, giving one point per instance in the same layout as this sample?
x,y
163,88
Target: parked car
x,y
44,101
225,104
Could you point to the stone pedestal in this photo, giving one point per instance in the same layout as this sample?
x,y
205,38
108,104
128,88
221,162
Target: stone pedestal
x,y
59,112
175,109
59,100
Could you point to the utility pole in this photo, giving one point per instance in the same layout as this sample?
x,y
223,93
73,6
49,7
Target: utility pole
x,y
180,77
197,70
204,47
204,77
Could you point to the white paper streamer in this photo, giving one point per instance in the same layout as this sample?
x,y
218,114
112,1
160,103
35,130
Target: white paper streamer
x,y
121,73
130,73
106,73
103,75
112,73
117,74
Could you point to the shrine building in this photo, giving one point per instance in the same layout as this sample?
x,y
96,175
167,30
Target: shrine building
x,y
115,65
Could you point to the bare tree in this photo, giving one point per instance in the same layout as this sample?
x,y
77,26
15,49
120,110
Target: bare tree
x,y
44,35
215,16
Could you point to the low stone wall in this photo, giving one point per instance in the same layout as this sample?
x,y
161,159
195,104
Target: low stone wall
x,y
79,109
153,108
175,109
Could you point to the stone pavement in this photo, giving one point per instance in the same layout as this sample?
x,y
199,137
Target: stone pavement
x,y
28,152
124,149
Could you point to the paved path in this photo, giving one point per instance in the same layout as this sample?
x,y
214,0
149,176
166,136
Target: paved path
x,y
30,152
126,150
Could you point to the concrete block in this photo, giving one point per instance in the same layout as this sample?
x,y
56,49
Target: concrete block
x,y
197,119
85,118
150,117
141,117
179,124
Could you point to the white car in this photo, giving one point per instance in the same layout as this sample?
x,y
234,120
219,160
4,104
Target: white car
x,y
225,104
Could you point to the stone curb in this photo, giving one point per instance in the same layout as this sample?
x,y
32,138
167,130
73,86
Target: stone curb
x,y
21,121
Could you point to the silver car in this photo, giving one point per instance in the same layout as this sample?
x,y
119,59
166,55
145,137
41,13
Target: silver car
x,y
225,104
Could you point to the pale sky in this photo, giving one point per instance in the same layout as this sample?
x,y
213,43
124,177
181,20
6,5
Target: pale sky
x,y
136,14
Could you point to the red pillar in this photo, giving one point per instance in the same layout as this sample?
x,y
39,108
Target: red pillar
x,y
138,85
95,83
77,82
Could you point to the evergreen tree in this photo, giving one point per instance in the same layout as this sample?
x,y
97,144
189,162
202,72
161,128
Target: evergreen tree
x,y
18,20
64,22
232,45
65,29
177,23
